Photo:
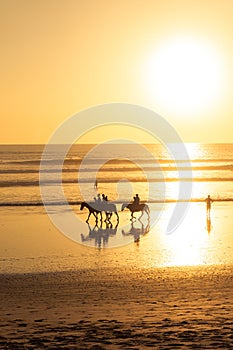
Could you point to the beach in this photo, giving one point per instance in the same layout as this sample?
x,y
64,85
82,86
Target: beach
x,y
58,294
116,285
167,308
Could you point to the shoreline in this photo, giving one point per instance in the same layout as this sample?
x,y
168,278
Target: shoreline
x,y
166,201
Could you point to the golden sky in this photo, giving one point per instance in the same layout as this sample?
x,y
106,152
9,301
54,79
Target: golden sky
x,y
61,56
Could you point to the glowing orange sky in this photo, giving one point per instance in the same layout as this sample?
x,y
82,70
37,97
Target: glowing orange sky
x,y
58,57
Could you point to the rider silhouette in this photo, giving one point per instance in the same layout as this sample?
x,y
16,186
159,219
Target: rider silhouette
x,y
136,199
105,198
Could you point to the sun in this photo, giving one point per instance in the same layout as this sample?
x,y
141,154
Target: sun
x,y
185,75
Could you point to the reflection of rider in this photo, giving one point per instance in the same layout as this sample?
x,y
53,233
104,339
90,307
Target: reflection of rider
x,y
100,234
137,231
136,199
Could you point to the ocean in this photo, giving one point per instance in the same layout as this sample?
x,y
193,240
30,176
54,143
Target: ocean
x,y
212,166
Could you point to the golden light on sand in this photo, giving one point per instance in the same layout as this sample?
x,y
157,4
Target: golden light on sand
x,y
185,75
188,246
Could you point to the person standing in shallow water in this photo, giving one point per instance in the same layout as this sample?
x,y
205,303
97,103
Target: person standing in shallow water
x,y
208,201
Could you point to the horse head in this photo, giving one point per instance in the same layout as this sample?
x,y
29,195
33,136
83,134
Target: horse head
x,y
83,204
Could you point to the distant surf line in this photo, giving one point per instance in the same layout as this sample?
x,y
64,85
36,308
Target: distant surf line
x,y
74,203
141,180
117,170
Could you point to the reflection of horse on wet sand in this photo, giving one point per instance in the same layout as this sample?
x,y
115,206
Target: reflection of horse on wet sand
x,y
100,234
137,232
136,208
96,208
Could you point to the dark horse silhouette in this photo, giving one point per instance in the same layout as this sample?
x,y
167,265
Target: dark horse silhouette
x,y
135,208
96,208
109,208
92,210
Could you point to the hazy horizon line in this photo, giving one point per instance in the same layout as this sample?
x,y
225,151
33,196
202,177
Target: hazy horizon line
x,y
116,143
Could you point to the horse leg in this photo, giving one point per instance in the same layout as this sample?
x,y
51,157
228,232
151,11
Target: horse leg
x,y
117,216
132,217
141,214
88,217
108,216
96,218
139,219
147,210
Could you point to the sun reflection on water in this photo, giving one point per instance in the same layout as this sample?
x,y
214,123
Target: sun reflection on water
x,y
189,244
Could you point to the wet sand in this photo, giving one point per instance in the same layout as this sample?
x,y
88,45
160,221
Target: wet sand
x,y
159,308
57,294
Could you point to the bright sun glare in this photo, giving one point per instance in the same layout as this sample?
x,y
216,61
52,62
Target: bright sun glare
x,y
185,75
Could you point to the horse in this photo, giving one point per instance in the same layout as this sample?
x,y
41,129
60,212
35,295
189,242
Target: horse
x,y
96,208
135,208
92,207
109,208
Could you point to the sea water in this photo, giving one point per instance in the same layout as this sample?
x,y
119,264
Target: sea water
x,y
153,174
212,166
